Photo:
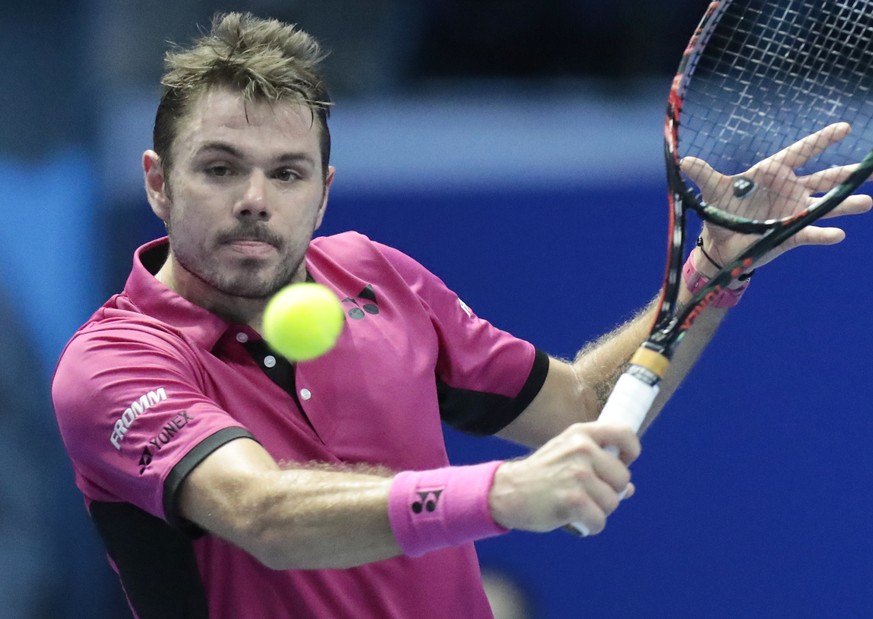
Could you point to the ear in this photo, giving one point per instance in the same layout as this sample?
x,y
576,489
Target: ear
x,y
156,185
327,183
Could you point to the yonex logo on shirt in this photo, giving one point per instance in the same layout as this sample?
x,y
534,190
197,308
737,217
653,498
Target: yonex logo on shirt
x,y
166,435
136,408
364,302
145,460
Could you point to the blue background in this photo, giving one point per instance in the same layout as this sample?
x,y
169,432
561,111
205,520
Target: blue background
x,y
544,208
751,494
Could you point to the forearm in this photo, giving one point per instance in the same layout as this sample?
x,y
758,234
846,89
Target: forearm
x,y
301,517
599,365
615,351
684,359
311,519
577,391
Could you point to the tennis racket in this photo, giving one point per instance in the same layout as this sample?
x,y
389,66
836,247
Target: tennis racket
x,y
762,95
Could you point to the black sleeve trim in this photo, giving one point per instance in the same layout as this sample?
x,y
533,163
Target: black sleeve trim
x,y
187,464
155,562
483,414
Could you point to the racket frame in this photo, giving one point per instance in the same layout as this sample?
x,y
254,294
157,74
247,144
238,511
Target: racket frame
x,y
638,386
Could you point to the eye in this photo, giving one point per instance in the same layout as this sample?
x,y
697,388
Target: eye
x,y
218,170
286,175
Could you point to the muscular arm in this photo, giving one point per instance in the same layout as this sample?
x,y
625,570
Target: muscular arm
x,y
576,391
302,517
311,517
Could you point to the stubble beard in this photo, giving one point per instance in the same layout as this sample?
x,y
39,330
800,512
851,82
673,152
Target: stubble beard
x,y
248,281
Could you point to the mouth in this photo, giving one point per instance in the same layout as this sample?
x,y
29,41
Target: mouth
x,y
251,243
251,248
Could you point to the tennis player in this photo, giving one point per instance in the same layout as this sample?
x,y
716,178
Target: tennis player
x,y
227,482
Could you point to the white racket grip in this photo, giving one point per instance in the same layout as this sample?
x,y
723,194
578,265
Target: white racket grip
x,y
628,405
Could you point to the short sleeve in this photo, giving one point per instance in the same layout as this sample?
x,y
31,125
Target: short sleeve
x,y
130,408
485,376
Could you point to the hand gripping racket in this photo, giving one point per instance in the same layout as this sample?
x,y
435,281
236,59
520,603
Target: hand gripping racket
x,y
762,95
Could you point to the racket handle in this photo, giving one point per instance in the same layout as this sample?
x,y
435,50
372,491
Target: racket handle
x,y
629,402
628,405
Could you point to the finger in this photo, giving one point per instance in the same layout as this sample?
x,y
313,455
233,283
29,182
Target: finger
x,y
815,235
701,174
611,471
853,205
806,148
593,505
621,438
605,496
824,180
590,516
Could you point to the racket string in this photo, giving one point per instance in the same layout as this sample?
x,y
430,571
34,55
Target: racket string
x,y
771,73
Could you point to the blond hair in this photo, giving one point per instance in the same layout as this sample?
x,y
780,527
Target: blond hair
x,y
262,59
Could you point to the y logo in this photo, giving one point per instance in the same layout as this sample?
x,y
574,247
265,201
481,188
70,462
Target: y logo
x,y
145,460
427,501
364,302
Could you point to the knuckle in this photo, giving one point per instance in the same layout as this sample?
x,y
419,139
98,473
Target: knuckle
x,y
581,442
574,506
562,513
579,506
583,474
610,503
579,503
623,480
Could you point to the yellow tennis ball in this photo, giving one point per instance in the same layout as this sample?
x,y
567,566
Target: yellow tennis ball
x,y
303,321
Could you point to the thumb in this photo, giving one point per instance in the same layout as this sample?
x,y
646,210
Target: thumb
x,y
701,173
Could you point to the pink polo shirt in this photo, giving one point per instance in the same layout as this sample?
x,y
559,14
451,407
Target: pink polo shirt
x,y
152,384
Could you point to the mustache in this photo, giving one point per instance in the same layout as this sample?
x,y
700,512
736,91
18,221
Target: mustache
x,y
250,232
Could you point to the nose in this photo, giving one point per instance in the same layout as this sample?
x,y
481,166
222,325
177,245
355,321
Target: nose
x,y
253,202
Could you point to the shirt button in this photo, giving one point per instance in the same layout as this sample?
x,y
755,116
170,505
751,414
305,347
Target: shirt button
x,y
242,338
270,361
305,393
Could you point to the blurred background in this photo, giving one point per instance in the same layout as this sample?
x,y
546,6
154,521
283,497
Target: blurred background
x,y
514,148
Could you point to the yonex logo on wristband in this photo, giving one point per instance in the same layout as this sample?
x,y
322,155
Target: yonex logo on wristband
x,y
442,507
427,501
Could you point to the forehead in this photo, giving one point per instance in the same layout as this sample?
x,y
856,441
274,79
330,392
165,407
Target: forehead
x,y
223,115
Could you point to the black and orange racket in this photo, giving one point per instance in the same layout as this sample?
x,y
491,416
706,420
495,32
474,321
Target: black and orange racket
x,y
765,95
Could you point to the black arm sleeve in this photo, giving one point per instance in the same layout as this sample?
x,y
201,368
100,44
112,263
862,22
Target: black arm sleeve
x,y
482,414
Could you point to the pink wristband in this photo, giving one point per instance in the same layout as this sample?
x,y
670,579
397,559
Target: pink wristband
x,y
695,280
443,507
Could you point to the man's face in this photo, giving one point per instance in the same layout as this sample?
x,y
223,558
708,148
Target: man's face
x,y
245,194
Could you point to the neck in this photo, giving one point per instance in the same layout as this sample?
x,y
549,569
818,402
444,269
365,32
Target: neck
x,y
235,309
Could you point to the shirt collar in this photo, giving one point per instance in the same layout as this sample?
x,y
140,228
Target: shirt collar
x,y
155,299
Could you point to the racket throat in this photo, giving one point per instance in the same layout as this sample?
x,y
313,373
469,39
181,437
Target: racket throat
x,y
648,365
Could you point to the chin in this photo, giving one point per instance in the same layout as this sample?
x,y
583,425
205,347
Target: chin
x,y
251,286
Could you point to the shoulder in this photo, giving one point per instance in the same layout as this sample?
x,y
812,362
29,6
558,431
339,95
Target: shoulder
x,y
121,331
112,349
358,252
348,245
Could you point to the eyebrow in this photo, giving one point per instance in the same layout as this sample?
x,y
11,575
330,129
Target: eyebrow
x,y
224,147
